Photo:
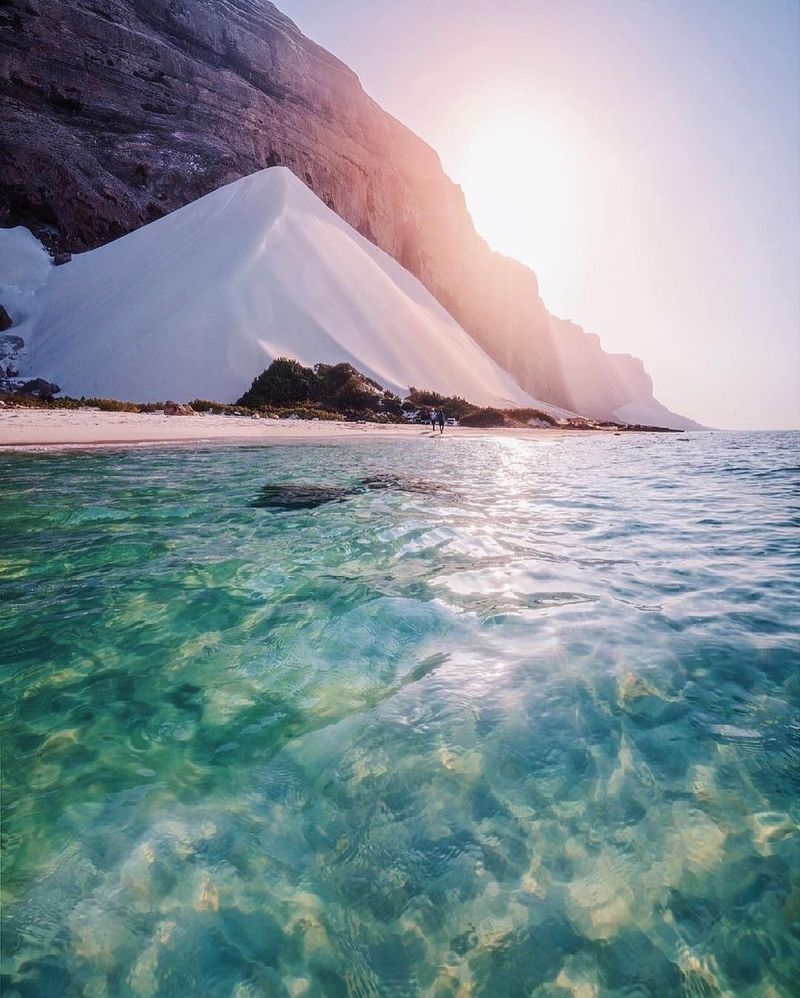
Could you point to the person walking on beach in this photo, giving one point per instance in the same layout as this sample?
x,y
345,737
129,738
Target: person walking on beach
x,y
440,417
433,420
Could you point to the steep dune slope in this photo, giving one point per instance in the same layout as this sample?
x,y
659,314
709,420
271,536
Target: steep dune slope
x,y
197,303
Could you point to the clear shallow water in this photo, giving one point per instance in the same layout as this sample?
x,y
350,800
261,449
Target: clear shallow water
x,y
481,717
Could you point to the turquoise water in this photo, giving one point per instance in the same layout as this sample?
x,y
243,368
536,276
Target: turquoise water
x,y
445,718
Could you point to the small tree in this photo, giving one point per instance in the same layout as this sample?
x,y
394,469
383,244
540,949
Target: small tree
x,y
453,405
285,382
392,406
344,389
484,418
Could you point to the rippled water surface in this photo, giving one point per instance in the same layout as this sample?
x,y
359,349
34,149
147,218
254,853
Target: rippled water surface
x,y
447,718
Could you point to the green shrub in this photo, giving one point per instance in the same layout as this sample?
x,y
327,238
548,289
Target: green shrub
x,y
308,412
488,417
205,405
285,382
112,405
391,407
341,386
425,400
220,408
484,418
328,388
105,405
523,415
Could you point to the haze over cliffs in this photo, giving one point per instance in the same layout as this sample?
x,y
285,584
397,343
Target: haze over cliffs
x,y
197,303
116,112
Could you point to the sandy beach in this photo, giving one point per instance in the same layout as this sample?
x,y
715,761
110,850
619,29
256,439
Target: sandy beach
x,y
32,429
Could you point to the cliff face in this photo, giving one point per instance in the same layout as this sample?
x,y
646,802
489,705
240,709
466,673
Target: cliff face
x,y
116,112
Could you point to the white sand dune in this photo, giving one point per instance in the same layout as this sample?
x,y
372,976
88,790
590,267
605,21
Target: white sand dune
x,y
199,302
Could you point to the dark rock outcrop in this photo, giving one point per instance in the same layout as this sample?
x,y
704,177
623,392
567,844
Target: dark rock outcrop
x,y
6,322
39,388
178,409
11,347
118,111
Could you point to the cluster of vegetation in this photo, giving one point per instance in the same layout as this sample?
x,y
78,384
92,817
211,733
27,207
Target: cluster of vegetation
x,y
341,389
305,412
422,400
489,417
334,392
112,405
219,408
469,414
65,402
335,389
313,411
326,392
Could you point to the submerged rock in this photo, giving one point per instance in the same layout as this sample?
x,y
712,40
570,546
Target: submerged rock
x,y
400,484
289,496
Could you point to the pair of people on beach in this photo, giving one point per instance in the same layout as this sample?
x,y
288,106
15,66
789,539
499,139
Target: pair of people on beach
x,y
437,417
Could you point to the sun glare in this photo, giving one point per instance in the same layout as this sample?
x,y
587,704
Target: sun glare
x,y
522,181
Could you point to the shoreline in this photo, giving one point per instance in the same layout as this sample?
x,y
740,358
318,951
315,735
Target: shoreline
x,y
33,430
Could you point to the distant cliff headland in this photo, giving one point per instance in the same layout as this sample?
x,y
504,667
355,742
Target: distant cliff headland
x,y
116,113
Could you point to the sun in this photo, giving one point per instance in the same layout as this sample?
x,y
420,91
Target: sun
x,y
522,179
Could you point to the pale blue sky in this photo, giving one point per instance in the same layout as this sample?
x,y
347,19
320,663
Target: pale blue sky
x,y
663,139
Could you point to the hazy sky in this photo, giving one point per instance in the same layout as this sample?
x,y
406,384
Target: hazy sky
x,y
643,156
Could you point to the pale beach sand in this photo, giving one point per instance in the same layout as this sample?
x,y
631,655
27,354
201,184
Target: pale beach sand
x,y
62,428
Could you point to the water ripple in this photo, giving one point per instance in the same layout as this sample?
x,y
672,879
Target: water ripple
x,y
291,721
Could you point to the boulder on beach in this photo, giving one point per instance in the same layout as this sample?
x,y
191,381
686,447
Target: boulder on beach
x,y
178,409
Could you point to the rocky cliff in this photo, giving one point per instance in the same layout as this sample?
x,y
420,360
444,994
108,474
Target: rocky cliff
x,y
116,112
